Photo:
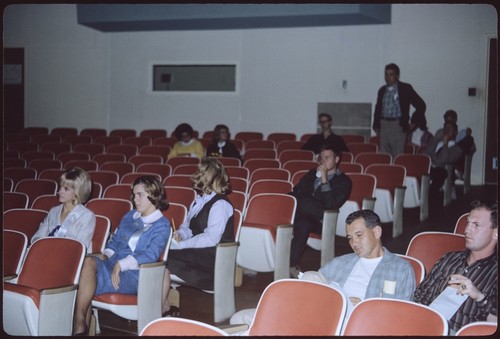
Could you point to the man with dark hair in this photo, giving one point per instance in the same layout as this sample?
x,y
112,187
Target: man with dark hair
x,y
391,120
371,271
443,150
326,136
322,188
463,139
472,272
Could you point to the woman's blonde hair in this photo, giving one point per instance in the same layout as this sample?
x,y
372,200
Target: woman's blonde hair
x,y
79,180
211,177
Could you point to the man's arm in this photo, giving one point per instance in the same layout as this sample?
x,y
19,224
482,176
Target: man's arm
x,y
418,117
378,110
337,192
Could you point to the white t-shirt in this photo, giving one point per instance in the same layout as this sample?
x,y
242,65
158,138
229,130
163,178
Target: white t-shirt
x,y
357,283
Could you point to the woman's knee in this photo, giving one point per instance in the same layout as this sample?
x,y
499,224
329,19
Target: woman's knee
x,y
89,265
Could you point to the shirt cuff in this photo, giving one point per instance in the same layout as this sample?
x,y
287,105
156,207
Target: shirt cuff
x,y
108,252
128,263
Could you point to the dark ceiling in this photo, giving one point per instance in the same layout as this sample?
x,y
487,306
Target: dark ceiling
x,y
158,17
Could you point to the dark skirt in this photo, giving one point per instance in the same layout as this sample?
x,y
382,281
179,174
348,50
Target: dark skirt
x,y
193,265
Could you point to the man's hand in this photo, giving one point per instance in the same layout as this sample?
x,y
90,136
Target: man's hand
x,y
465,286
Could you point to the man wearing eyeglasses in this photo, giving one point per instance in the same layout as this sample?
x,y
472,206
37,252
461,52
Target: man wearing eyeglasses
x,y
326,136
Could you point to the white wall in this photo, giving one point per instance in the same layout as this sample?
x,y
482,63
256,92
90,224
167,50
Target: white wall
x,y
77,76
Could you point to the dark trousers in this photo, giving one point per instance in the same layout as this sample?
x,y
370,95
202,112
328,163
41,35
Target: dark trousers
x,y
302,226
438,177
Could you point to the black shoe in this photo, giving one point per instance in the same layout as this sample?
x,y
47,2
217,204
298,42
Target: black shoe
x,y
294,271
174,311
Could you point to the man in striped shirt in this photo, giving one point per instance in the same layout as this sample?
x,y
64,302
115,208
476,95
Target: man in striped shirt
x,y
473,272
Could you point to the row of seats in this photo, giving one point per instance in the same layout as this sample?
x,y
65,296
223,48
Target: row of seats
x,y
282,234
140,307
301,315
243,140
152,133
417,171
428,323
315,300
259,218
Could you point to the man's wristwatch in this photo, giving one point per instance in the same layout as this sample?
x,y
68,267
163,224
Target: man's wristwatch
x,y
483,301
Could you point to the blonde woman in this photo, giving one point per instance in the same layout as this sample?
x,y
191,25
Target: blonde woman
x,y
209,222
70,219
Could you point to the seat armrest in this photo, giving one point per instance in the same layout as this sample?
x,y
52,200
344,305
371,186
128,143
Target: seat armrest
x,y
152,264
368,203
424,196
149,293
225,264
234,329
397,223
57,290
9,278
56,311
329,229
283,244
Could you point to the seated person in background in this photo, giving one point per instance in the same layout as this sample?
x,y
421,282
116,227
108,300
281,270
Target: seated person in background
x,y
370,272
320,189
472,272
443,151
187,146
70,219
221,146
326,136
208,222
420,136
463,139
140,238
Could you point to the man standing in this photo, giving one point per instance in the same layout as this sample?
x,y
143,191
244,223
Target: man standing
x,y
391,120
325,137
320,189
472,272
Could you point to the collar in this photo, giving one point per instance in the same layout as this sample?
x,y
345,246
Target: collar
x,y
202,199
150,218
187,143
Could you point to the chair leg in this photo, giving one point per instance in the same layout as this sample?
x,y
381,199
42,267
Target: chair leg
x,y
467,170
447,185
424,197
238,276
95,318
93,326
329,229
397,223
282,256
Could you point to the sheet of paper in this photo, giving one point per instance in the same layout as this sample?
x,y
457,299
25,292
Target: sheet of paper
x,y
448,302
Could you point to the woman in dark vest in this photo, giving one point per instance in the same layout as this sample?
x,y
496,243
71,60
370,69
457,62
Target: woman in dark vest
x,y
208,222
